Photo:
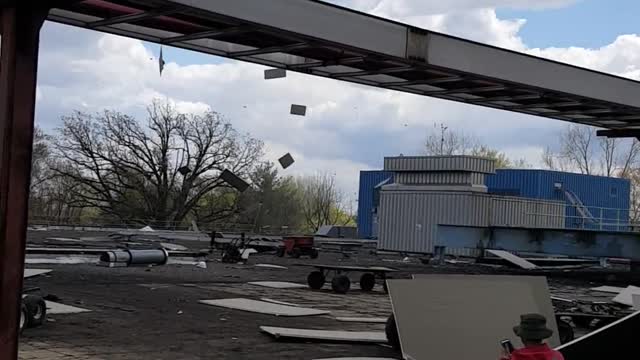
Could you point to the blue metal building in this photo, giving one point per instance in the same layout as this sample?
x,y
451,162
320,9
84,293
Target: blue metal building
x,y
369,180
593,202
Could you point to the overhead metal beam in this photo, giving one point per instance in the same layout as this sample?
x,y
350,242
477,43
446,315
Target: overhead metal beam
x,y
545,105
269,50
314,64
207,34
442,80
619,133
143,15
465,90
20,26
509,98
372,72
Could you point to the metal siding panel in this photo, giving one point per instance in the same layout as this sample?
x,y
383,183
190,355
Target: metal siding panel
x,y
439,163
368,181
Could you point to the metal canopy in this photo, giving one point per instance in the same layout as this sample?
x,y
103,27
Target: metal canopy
x,y
317,38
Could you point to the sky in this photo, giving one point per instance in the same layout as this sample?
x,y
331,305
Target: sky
x,y
348,127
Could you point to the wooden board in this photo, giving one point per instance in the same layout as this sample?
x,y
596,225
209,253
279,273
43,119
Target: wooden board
x,y
625,297
327,335
477,311
263,307
516,260
278,284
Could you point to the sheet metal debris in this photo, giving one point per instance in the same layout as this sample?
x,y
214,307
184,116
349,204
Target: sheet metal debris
x,y
264,307
274,74
516,260
286,160
233,180
278,284
326,335
625,297
35,272
377,320
300,110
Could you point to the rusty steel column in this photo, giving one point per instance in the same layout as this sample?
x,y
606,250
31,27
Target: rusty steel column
x,y
20,25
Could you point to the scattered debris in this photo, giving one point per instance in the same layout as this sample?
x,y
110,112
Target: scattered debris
x,y
63,239
264,307
363,319
327,335
201,264
461,307
516,260
278,302
175,247
57,308
179,312
612,341
35,272
625,297
608,289
300,110
270,266
274,74
147,229
233,180
286,160
278,284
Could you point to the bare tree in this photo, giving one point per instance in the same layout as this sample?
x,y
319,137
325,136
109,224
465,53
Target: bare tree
x,y
321,201
158,173
578,147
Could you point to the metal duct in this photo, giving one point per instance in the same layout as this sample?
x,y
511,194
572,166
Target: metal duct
x,y
136,257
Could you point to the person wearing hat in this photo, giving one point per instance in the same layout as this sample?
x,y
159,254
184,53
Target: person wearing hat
x,y
532,331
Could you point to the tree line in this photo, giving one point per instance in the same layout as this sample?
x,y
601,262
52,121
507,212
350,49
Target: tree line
x,y
110,168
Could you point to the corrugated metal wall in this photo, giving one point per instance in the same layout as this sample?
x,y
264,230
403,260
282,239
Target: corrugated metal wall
x,y
368,181
439,178
439,163
518,212
606,198
409,219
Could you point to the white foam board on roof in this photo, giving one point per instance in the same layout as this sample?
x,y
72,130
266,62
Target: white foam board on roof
x,y
516,260
625,297
263,307
54,308
278,284
608,289
327,335
35,272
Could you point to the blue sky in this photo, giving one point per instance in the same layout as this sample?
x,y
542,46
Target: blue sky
x,y
588,23
348,127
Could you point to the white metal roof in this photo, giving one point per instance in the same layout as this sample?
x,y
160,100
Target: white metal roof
x,y
326,40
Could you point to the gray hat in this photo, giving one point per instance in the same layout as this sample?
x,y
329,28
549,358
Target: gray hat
x,y
533,327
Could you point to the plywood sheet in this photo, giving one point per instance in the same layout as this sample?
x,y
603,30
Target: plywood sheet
x,y
477,311
625,297
516,260
35,272
54,308
264,307
278,284
614,341
377,320
608,289
327,335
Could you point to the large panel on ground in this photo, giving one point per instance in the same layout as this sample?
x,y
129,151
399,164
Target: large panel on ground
x,y
443,317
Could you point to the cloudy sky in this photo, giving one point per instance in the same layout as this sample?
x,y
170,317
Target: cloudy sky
x,y
348,127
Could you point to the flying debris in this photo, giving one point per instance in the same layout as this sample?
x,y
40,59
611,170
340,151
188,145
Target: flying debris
x,y
298,110
274,73
286,160
161,61
233,180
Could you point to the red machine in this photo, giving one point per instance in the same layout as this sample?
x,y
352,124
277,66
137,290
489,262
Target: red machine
x,y
296,246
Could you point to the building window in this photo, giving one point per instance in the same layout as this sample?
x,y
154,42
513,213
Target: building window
x,y
614,192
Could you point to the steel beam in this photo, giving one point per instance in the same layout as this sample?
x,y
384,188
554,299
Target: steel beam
x,y
142,15
207,34
621,133
269,50
18,67
392,70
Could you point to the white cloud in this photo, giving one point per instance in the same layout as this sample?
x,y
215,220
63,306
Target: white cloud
x,y
348,127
